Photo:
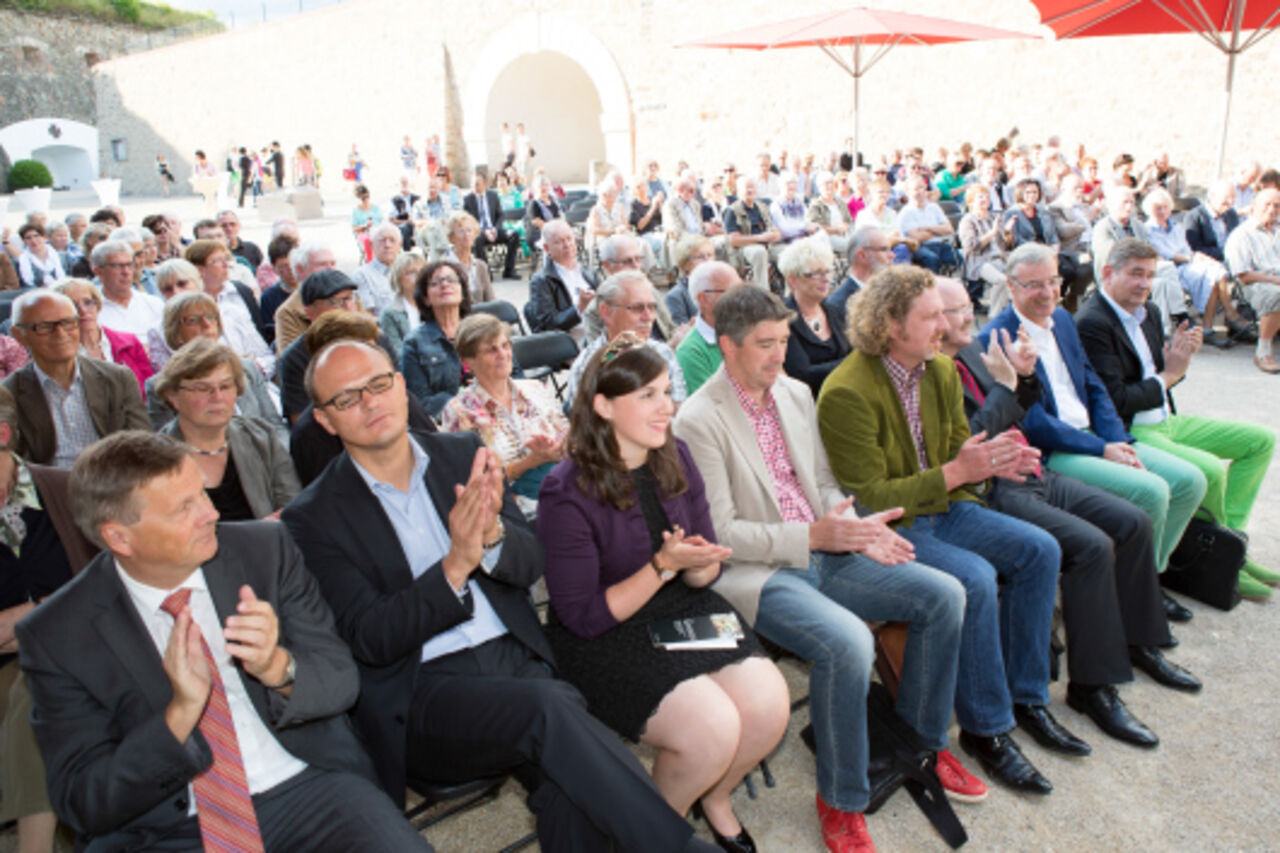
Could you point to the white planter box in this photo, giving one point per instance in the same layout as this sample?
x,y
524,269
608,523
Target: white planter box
x,y
108,190
34,200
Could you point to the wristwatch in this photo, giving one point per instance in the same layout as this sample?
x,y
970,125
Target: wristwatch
x,y
664,575
290,673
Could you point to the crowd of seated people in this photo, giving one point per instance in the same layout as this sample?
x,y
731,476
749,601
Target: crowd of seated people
x,y
782,414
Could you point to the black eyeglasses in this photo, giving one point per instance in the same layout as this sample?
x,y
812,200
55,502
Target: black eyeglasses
x,y
375,387
68,325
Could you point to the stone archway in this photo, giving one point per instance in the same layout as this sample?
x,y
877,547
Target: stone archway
x,y
69,148
527,40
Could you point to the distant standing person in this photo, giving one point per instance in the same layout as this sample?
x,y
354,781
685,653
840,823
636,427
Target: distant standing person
x,y
433,154
355,163
166,177
277,164
203,167
524,151
408,158
508,146
246,173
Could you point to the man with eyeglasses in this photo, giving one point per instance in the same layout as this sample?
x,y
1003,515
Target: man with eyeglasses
x,y
699,353
427,564
1075,424
869,252
628,304
320,293
65,402
124,309
618,253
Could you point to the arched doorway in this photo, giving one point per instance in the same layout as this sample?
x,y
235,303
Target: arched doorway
x,y
556,47
560,108
69,148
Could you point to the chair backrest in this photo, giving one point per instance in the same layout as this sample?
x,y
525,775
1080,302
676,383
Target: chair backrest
x,y
504,311
6,301
555,350
578,214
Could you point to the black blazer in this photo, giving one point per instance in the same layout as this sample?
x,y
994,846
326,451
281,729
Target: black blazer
x,y
99,689
268,332
1116,361
550,307
382,611
1000,408
809,357
471,204
1200,235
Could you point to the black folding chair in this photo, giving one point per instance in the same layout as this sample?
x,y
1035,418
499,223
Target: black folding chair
x,y
504,311
460,797
543,354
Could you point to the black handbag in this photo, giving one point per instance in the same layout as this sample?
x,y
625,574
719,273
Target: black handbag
x,y
1206,564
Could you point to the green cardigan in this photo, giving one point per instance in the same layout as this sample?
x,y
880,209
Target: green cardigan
x,y
698,360
869,443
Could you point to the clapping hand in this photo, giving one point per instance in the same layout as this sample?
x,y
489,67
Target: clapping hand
x,y
474,517
680,552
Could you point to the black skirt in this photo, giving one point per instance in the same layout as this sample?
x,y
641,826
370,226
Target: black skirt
x,y
624,676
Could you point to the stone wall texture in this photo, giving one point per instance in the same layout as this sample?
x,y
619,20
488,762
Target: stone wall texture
x,y
370,71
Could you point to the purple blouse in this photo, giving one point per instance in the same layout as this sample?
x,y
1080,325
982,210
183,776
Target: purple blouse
x,y
590,546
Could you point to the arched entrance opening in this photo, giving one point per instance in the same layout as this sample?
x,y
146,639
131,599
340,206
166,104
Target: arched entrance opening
x,y
560,108
69,148
70,165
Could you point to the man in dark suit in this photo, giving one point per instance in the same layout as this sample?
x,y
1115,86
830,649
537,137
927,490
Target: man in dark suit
x,y
1110,592
561,291
184,637
277,165
1209,223
1123,334
484,204
428,565
65,402
869,252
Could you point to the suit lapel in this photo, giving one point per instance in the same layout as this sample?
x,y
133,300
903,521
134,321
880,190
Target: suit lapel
x,y
224,575
741,433
122,631
97,395
884,385
31,402
369,526
800,449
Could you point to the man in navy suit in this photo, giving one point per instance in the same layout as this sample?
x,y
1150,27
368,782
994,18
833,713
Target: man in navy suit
x,y
486,207
1074,422
427,564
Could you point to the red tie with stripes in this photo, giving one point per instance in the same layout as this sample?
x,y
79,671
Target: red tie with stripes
x,y
228,823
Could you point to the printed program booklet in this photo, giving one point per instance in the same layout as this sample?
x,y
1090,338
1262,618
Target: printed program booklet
x,y
716,631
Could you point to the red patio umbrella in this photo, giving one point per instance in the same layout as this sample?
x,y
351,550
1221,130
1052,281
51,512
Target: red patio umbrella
x,y
855,29
1222,23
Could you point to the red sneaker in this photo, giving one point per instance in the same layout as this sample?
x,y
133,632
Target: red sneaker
x,y
844,832
959,783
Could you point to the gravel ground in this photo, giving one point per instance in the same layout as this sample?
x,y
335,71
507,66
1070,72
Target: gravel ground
x,y
1203,788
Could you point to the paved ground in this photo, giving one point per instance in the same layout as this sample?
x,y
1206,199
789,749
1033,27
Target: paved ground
x,y
1205,788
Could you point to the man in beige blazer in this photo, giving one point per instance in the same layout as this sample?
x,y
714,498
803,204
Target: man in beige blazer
x,y
65,402
806,570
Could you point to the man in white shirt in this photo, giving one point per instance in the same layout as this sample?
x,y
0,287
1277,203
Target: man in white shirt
x,y
1253,254
124,309
169,644
372,282
922,220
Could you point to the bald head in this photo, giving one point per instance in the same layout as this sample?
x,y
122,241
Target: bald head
x,y
958,311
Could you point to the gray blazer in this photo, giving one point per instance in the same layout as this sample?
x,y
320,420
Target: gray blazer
x,y
115,404
255,402
266,471
1106,233
1022,230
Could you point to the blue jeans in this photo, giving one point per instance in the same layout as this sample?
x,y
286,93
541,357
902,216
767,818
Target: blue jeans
x,y
817,613
932,254
974,544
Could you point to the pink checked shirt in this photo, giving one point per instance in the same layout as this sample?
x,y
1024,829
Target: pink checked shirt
x,y
777,457
907,384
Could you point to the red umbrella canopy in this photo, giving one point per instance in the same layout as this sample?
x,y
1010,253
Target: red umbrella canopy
x,y
855,26
1070,18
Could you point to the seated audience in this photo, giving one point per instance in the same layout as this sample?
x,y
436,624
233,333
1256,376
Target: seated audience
x,y
66,401
625,524
124,309
291,319
432,594
1111,598
433,372
519,419
461,229
1124,339
541,209
372,282
869,252
400,317
240,316
1073,219
1120,222
620,253
1028,220
429,215
1252,253
174,276
560,292
246,470
922,220
983,250
871,416
103,344
188,316
608,216
1245,186
364,216
644,215
1211,222
952,180
321,292
627,303
1074,423
201,616
751,236
400,213
39,264
788,213
486,209
817,343
689,252
699,352
880,215
830,214
278,251
1161,173
1204,279
806,570
682,213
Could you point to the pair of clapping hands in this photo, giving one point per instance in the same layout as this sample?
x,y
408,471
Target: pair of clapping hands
x,y
981,458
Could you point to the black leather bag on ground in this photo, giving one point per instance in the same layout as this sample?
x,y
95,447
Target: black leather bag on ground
x,y
899,759
1206,564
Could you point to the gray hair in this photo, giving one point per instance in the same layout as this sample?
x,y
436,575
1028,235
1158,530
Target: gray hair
x,y
745,306
607,185
128,234
31,298
704,275
610,247
804,255
300,257
1028,254
1130,249
1220,187
74,218
108,247
1115,193
615,285
861,236
227,212
59,226
384,228
97,231
1157,195
553,226
176,268
67,285
177,306
106,477
284,225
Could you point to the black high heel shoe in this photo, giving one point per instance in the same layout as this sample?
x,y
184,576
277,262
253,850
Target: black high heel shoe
x,y
740,843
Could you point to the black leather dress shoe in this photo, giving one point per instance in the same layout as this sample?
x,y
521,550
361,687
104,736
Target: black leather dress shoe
x,y
740,843
1173,611
1172,644
1036,721
1005,763
1152,662
1104,706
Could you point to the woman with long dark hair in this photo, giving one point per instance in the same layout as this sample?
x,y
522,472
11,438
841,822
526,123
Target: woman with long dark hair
x,y
630,551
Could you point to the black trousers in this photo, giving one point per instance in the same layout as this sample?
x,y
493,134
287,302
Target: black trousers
x,y
1110,589
510,239
497,709
317,811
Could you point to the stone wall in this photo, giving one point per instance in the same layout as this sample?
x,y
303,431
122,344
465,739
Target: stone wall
x,y
370,71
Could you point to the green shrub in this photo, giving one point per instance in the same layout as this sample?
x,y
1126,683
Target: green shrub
x,y
127,9
26,174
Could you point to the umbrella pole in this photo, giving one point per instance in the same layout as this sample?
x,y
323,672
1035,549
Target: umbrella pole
x,y
857,80
1231,76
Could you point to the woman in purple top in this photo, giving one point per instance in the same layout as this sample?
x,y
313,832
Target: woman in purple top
x,y
629,543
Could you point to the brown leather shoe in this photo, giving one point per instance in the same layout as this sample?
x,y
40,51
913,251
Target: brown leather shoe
x,y
1266,364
